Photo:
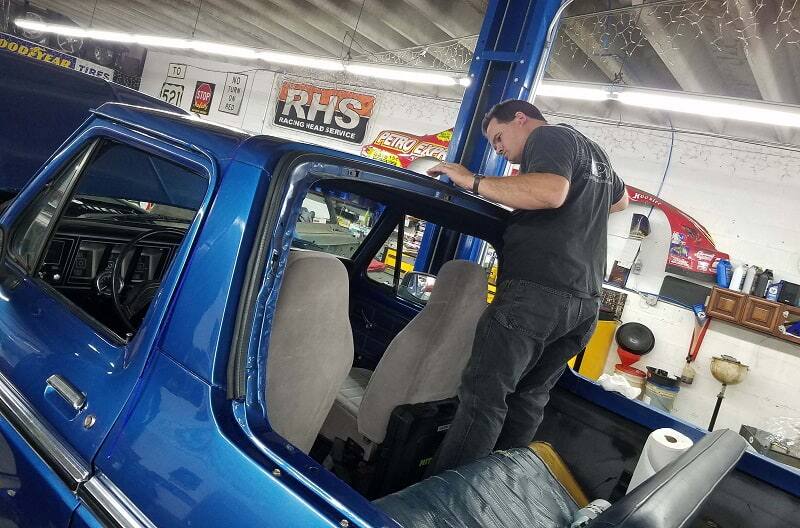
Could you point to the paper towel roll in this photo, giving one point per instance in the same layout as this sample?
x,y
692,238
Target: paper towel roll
x,y
662,447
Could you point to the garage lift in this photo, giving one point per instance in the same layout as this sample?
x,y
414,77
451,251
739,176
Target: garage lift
x,y
506,64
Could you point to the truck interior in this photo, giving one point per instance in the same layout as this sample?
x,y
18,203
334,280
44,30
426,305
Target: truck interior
x,y
383,392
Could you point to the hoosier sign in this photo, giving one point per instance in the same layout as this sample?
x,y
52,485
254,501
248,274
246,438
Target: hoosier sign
x,y
339,114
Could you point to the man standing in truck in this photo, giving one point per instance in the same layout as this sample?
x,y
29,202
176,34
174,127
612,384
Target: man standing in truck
x,y
552,266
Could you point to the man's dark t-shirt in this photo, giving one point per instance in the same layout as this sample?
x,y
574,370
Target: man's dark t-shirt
x,y
564,248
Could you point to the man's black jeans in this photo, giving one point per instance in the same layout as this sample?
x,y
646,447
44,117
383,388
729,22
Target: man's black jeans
x,y
522,343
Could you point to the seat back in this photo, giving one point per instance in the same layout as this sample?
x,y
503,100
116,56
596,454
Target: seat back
x,y
310,346
424,362
673,497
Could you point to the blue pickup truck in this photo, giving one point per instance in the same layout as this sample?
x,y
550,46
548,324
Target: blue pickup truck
x,y
174,353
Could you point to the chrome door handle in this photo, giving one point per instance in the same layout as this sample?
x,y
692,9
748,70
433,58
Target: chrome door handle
x,y
68,391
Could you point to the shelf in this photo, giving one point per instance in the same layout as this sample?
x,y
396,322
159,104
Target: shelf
x,y
752,313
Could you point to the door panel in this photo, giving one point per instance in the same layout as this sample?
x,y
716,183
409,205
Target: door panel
x,y
40,337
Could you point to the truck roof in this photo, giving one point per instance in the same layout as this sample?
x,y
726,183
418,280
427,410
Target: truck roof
x,y
219,140
224,142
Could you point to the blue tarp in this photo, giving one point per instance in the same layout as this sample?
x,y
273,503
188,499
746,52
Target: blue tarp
x,y
41,106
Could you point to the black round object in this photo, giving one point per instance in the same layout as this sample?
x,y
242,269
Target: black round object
x,y
635,338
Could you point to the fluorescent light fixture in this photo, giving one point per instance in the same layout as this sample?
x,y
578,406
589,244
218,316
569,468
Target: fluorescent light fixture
x,y
400,74
702,105
33,25
304,61
565,91
706,106
228,50
153,41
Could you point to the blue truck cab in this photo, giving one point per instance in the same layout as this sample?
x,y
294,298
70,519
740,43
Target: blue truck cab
x,y
175,335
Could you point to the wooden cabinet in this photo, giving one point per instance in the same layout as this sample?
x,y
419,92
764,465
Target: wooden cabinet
x,y
753,312
726,304
760,314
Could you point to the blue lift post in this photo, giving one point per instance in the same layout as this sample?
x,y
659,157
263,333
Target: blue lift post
x,y
510,46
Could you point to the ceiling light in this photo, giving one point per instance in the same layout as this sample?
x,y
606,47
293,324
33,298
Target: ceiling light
x,y
228,50
695,104
304,61
705,106
42,27
153,41
565,91
399,74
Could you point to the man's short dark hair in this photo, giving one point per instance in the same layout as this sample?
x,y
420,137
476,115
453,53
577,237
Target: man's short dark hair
x,y
505,111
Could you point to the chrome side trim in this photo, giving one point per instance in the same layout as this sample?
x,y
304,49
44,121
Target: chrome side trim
x,y
107,500
61,458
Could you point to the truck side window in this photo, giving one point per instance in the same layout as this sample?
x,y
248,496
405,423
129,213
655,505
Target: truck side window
x,y
335,222
105,232
27,241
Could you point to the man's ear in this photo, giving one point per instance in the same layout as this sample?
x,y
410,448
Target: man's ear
x,y
521,118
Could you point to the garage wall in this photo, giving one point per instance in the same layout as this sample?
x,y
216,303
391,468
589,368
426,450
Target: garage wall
x,y
748,197
745,195
394,110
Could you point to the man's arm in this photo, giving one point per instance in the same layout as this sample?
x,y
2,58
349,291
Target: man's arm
x,y
622,203
536,190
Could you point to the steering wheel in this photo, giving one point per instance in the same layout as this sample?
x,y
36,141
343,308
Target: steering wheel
x,y
139,296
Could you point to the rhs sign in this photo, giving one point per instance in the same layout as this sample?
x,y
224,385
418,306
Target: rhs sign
x,y
330,112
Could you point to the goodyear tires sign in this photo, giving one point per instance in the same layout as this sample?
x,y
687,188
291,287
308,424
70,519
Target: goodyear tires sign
x,y
32,51
330,112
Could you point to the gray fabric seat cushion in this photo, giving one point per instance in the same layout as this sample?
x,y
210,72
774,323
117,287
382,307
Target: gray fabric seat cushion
x,y
504,490
310,346
353,388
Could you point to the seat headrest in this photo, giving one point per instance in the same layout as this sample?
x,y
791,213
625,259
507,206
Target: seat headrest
x,y
458,279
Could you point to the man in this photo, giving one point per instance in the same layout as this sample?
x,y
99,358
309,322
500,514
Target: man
x,y
552,265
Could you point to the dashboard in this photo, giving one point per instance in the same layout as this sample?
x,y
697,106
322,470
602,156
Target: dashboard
x,y
85,263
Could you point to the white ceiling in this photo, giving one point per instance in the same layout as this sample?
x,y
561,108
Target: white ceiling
x,y
737,48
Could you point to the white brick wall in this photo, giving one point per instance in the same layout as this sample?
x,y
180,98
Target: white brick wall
x,y
748,197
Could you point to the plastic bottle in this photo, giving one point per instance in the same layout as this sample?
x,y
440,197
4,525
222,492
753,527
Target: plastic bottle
x,y
749,279
773,291
737,278
762,283
723,273
688,374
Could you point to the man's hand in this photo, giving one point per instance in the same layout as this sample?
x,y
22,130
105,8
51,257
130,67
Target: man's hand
x,y
459,174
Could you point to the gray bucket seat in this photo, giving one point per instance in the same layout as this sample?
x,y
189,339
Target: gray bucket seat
x,y
423,363
310,346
